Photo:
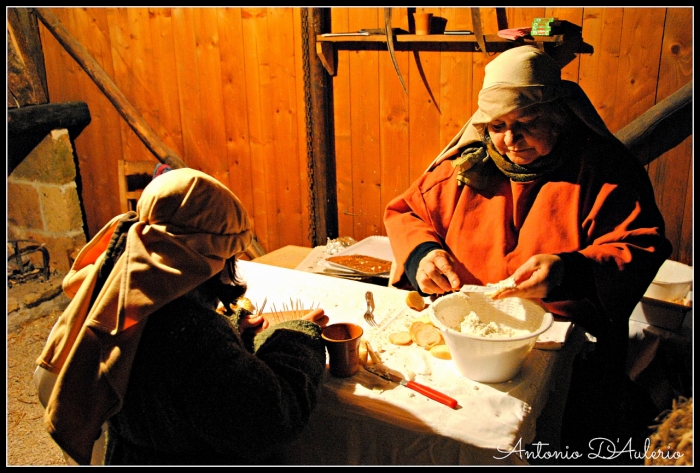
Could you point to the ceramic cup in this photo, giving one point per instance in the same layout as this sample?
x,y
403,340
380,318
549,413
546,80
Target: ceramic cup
x,y
422,22
342,341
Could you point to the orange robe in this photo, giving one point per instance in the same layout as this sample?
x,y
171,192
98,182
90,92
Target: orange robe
x,y
600,203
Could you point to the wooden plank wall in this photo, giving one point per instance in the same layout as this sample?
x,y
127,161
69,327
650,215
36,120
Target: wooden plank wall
x,y
224,88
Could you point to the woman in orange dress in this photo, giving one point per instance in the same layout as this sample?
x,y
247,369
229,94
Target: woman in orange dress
x,y
536,188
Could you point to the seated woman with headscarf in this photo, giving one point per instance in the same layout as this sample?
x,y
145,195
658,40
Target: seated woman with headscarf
x,y
144,346
536,188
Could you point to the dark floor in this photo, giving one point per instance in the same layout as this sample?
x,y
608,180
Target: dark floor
x,y
598,431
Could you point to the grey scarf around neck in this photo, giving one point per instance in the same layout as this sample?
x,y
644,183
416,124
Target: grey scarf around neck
x,y
480,160
532,171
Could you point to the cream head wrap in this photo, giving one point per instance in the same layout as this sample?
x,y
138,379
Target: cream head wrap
x,y
518,78
187,224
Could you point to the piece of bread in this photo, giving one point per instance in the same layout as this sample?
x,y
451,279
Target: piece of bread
x,y
427,336
500,286
415,301
401,338
441,351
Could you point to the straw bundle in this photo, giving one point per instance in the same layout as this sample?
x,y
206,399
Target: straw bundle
x,y
672,442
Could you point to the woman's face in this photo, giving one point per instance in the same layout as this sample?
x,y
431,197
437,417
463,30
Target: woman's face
x,y
524,135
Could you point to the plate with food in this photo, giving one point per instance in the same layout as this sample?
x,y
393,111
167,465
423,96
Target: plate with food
x,y
364,264
369,257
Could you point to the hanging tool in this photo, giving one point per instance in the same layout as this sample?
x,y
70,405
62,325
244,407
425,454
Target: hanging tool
x,y
478,32
390,45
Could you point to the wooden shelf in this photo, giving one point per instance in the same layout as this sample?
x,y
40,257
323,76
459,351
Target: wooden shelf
x,y
327,46
437,38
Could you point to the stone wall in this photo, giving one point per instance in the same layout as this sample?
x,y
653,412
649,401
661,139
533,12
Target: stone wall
x,y
43,203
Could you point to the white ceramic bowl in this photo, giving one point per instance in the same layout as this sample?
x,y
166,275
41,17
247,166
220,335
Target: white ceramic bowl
x,y
671,283
489,360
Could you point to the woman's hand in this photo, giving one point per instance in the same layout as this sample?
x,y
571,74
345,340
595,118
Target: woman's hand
x,y
257,323
435,274
318,316
252,322
536,277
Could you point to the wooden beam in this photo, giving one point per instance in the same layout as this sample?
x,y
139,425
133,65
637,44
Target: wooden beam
x,y
133,118
74,116
27,126
662,127
319,121
26,77
326,53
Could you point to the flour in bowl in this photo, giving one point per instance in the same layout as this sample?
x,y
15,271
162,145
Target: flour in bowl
x,y
473,325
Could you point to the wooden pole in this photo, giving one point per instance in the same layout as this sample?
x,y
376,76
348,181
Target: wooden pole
x,y
662,127
159,149
319,122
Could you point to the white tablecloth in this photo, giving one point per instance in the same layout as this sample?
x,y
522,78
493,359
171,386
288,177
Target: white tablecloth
x,y
366,420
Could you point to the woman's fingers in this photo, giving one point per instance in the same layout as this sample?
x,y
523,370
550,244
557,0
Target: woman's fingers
x,y
536,277
451,276
318,316
436,275
250,321
432,281
311,316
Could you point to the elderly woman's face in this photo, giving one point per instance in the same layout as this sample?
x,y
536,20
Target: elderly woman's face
x,y
524,135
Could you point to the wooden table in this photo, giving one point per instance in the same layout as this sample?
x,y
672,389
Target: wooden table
x,y
286,257
363,420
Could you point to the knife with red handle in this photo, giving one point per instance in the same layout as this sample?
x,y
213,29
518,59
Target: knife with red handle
x,y
420,388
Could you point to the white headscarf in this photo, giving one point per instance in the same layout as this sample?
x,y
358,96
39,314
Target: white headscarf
x,y
518,78
187,225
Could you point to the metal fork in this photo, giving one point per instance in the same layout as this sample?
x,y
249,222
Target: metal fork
x,y
369,314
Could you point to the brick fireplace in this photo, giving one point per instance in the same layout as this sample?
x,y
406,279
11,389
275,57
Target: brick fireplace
x,y
43,203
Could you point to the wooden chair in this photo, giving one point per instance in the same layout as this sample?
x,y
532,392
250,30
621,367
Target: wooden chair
x,y
134,176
